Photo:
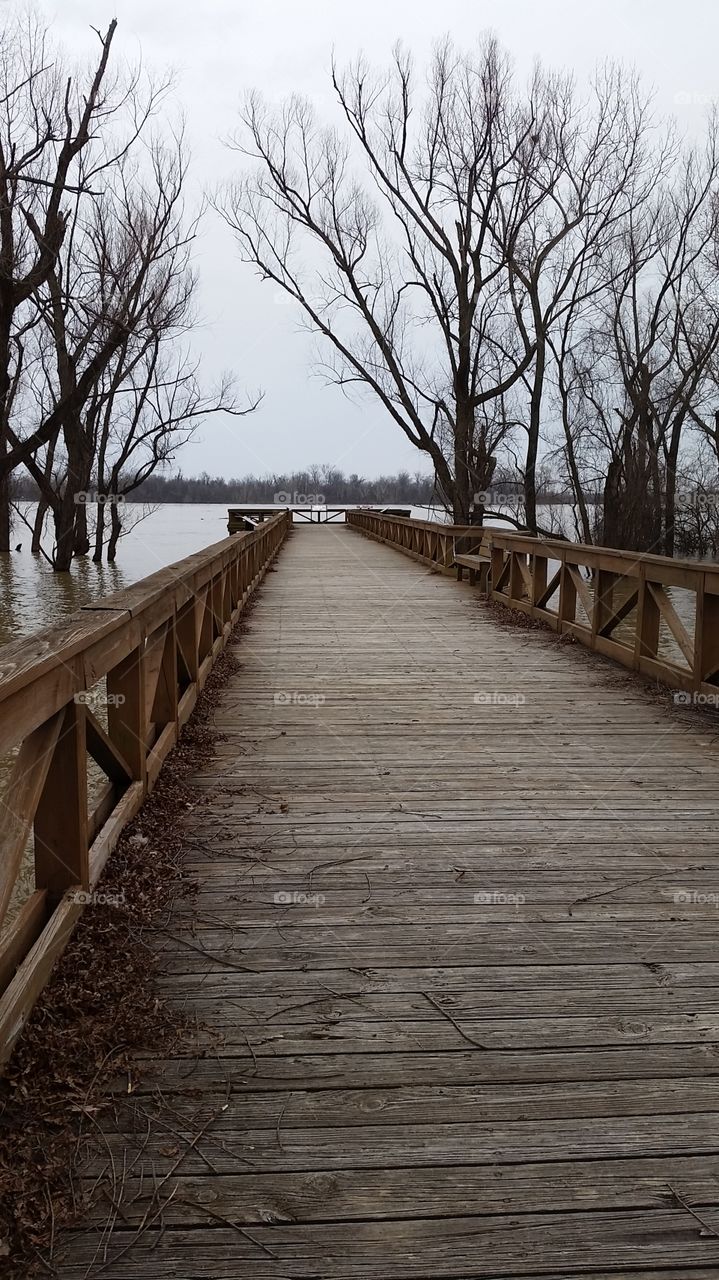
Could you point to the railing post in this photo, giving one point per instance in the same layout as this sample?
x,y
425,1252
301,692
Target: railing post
x,y
235,588
61,818
497,563
648,621
567,595
603,600
516,580
126,719
216,606
539,576
226,596
188,641
164,706
706,637
207,630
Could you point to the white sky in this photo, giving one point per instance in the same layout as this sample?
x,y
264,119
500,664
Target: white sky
x,y
220,48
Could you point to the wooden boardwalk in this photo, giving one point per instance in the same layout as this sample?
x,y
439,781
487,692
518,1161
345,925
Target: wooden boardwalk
x,y
454,960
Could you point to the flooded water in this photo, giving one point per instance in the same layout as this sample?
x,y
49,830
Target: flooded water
x,y
32,596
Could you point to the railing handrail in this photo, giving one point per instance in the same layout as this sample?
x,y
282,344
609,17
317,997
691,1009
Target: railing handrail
x,y
83,628
563,545
541,577
154,644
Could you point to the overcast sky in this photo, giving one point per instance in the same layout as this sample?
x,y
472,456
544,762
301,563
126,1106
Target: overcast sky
x,y
220,48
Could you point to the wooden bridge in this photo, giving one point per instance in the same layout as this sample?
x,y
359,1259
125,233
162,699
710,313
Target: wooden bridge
x,y
454,955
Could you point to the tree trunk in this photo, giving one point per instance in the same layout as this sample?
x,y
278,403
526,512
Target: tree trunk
x,y
74,494
5,402
5,519
66,514
43,507
670,487
47,496
570,455
64,530
632,511
5,522
535,420
115,531
99,533
579,499
82,537
81,543
465,484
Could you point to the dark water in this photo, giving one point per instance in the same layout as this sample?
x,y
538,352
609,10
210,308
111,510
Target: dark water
x,y
32,596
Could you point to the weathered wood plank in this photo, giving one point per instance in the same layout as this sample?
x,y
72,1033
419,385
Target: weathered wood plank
x,y
479,1087
19,804
339,1195
44,684
419,1250
222,1067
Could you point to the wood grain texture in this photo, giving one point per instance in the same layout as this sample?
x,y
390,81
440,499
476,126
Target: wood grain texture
x,y
453,961
46,695
584,597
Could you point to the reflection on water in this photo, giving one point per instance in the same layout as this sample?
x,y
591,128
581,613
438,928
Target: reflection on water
x,y
32,596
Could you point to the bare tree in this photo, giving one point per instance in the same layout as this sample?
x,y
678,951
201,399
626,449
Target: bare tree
x,y
408,288
585,167
122,279
493,220
149,411
61,133
637,368
46,122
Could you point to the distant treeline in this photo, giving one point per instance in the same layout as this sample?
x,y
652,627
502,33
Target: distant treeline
x,y
318,484
315,484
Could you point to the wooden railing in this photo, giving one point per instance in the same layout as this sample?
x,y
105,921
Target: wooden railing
x,y
426,540
617,603
104,694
